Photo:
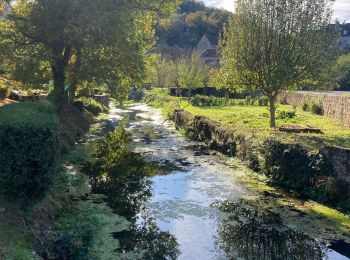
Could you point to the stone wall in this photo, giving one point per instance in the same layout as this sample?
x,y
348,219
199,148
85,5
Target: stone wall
x,y
334,106
340,159
228,141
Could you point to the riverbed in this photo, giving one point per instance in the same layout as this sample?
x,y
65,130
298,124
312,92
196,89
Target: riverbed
x,y
198,198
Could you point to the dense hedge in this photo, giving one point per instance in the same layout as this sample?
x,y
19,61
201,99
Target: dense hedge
x,y
204,101
29,144
4,92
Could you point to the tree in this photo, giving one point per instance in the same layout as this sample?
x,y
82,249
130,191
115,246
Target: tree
x,y
68,36
159,71
277,45
341,72
192,72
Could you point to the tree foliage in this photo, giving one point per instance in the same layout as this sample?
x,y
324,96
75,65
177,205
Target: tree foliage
x,y
162,71
71,41
341,72
277,45
192,72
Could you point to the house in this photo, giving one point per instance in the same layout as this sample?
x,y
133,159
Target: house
x,y
208,50
344,39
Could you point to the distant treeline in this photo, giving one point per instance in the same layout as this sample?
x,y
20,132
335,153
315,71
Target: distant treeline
x,y
183,30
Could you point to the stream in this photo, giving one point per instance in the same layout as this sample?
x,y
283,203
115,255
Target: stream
x,y
190,203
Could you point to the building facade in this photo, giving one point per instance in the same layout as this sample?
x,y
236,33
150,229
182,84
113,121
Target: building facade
x,y
208,50
344,39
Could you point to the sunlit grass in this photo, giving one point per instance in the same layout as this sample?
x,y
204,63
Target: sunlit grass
x,y
254,121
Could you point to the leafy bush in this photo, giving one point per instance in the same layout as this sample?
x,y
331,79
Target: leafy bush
x,y
305,106
253,162
287,164
249,101
111,150
88,89
293,167
199,100
317,108
287,114
4,92
312,106
91,105
29,144
263,101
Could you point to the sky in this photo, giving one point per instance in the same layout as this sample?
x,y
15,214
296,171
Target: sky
x,y
341,8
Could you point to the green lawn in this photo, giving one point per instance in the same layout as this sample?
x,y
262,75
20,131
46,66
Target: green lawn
x,y
254,121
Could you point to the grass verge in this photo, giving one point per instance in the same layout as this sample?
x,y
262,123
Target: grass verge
x,y
253,121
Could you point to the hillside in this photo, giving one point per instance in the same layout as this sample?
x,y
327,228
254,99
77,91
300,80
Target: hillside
x,y
182,31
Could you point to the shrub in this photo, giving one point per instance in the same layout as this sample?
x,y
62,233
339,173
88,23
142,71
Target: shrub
x,y
4,92
294,167
91,105
317,108
78,104
287,114
305,106
253,162
199,100
29,144
287,164
249,101
312,106
263,101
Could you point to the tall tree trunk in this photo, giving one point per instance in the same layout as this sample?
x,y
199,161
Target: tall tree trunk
x,y
59,62
58,71
74,83
272,99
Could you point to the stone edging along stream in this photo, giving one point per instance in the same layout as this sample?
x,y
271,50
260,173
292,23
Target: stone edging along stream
x,y
226,140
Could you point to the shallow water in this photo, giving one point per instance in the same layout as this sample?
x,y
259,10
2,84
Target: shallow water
x,y
178,198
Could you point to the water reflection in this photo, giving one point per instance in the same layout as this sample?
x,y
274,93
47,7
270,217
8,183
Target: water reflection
x,y
249,232
148,242
124,177
127,185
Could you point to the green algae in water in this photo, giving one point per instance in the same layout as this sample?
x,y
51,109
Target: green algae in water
x,y
86,233
319,221
124,177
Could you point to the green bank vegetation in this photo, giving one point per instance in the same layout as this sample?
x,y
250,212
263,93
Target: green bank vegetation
x,y
252,120
317,216
41,208
292,161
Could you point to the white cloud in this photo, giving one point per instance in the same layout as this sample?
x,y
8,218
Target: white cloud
x,y
228,4
341,7
342,10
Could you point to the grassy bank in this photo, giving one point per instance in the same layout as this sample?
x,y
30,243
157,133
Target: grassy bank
x,y
254,121
287,159
64,219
